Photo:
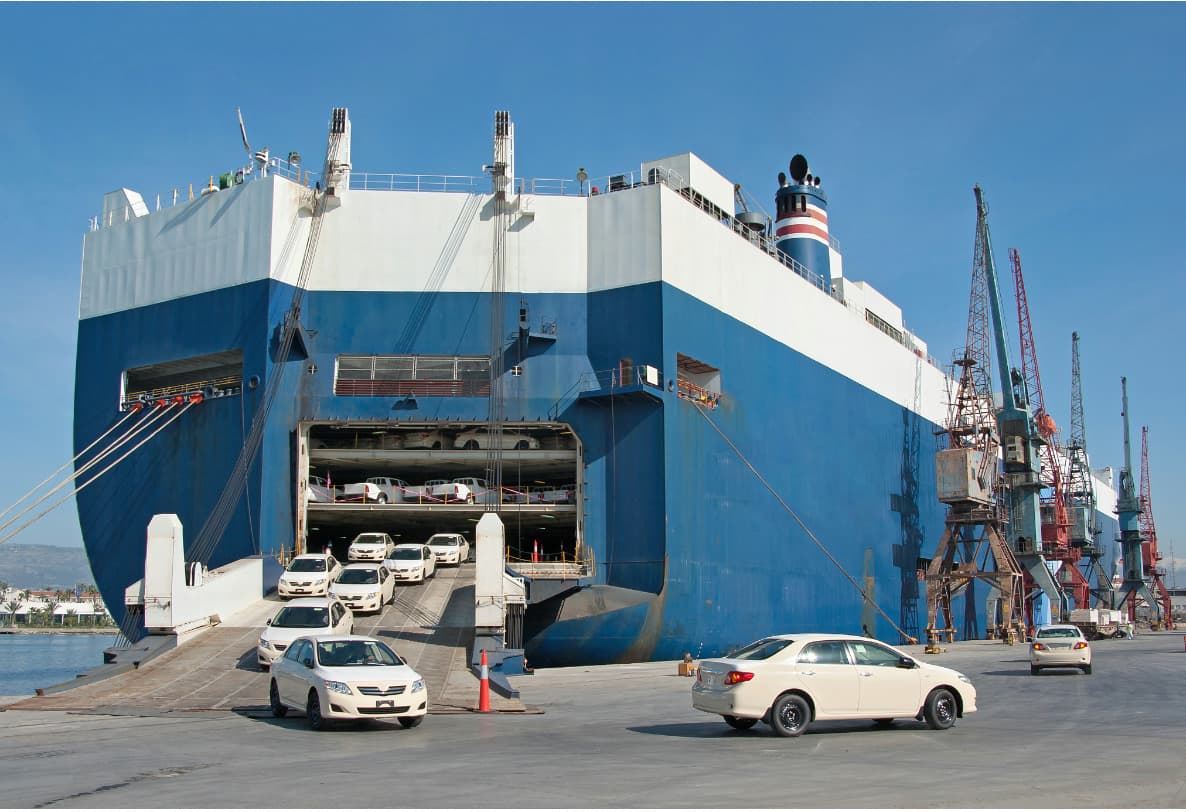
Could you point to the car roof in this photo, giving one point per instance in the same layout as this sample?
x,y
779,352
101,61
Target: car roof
x,y
443,535
362,565
1059,626
810,636
311,555
406,544
333,638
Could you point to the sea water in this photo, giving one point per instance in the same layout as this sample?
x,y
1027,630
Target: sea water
x,y
32,661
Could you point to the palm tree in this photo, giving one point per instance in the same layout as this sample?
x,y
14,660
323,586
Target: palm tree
x,y
11,605
52,610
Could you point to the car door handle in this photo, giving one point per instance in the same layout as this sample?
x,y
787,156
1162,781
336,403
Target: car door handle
x,y
807,673
866,673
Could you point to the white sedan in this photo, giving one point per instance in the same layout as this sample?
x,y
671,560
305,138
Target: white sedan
x,y
792,680
309,575
1060,646
480,438
300,617
346,677
412,562
370,547
365,587
449,548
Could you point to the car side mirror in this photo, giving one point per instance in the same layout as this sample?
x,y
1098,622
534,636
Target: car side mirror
x,y
308,661
269,622
906,662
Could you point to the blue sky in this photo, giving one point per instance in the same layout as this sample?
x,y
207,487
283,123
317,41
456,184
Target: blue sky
x,y
1070,116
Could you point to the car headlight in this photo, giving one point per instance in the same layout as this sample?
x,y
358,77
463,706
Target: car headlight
x,y
337,687
418,685
964,679
318,581
263,641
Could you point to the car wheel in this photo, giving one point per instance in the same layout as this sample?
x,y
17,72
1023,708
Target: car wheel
x,y
381,499
521,445
940,709
313,712
469,499
1087,669
789,715
410,721
436,445
470,445
279,709
1034,670
737,723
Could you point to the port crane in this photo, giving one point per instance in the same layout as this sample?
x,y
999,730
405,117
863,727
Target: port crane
x,y
1135,582
1150,555
973,545
1079,492
1054,518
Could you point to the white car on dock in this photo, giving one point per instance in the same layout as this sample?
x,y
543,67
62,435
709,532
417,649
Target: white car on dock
x,y
320,491
298,618
792,680
413,563
308,575
346,677
364,587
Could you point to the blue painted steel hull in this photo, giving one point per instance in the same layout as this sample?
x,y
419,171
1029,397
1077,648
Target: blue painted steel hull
x,y
670,508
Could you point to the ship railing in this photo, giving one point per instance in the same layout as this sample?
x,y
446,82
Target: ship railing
x,y
229,384
687,390
622,376
561,566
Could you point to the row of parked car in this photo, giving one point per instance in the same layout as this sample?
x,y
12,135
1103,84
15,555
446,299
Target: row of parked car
x,y
435,439
470,490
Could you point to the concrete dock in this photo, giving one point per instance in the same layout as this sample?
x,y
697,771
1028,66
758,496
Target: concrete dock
x,y
626,736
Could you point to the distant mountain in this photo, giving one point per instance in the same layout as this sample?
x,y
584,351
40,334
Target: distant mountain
x,y
34,566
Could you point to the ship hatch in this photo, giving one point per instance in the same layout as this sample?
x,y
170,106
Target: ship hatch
x,y
540,503
216,375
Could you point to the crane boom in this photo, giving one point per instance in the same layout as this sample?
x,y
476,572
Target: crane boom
x,y
1149,552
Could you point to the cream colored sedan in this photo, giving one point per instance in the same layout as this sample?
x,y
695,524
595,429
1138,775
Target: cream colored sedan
x,y
1060,646
790,681
346,677
364,587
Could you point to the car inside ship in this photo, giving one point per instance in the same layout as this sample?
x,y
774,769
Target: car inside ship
x,y
435,478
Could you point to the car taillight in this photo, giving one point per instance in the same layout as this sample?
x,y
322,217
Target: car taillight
x,y
734,677
1039,646
1081,644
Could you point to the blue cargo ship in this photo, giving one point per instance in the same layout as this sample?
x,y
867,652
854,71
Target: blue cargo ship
x,y
683,388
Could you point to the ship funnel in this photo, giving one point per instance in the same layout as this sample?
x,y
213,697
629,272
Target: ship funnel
x,y
801,223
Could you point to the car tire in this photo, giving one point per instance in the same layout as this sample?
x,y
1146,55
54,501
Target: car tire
x,y
940,709
470,445
737,723
436,445
1086,669
279,709
381,499
409,722
469,500
522,445
1034,670
313,712
790,715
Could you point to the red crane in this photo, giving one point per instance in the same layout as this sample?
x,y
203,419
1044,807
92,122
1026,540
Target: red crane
x,y
1149,553
1055,520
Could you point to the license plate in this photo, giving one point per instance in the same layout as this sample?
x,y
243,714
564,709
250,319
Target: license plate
x,y
384,703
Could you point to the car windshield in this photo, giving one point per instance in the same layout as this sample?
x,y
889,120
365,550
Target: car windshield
x,y
760,650
355,652
307,565
359,576
406,554
1058,632
302,617
444,542
371,538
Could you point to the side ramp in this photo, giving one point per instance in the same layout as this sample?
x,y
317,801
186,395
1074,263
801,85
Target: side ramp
x,y
430,625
